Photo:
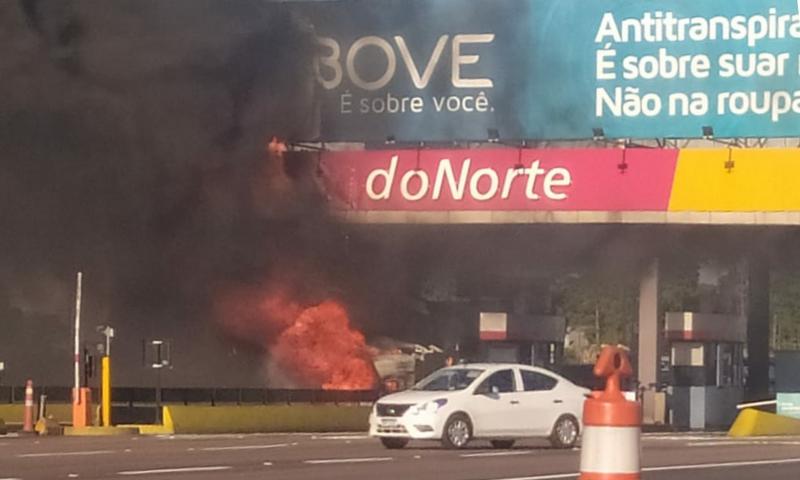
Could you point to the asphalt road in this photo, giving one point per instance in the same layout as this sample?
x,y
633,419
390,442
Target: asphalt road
x,y
353,457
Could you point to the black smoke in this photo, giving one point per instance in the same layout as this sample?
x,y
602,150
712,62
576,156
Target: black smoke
x,y
132,148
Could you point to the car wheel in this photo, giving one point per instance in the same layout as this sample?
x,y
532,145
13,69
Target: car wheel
x,y
565,432
457,431
394,443
502,444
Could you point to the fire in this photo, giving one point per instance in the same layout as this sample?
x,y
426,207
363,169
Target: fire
x,y
316,346
326,349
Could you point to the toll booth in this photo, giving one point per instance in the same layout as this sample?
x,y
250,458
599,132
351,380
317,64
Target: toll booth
x,y
787,383
706,372
519,338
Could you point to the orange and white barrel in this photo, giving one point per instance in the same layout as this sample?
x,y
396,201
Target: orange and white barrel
x,y
612,425
27,423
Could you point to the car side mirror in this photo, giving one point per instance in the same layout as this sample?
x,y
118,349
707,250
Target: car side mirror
x,y
495,389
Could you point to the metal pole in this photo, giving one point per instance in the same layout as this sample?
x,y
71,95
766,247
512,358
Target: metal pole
x,y
42,406
77,350
106,393
108,331
158,395
160,365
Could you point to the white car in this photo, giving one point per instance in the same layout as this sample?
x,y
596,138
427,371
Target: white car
x,y
496,402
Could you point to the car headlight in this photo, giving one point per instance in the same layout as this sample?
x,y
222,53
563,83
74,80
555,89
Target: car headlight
x,y
428,407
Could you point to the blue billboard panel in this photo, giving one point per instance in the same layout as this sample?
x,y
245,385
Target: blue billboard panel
x,y
556,69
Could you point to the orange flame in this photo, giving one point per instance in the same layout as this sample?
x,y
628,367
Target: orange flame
x,y
276,146
316,346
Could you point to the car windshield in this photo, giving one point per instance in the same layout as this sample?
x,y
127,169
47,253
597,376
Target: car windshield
x,y
449,379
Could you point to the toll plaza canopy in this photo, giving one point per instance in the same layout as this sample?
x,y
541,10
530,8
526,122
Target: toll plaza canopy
x,y
600,185
396,73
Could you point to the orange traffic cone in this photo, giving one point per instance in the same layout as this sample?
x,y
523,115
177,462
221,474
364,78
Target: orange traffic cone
x,y
27,423
612,425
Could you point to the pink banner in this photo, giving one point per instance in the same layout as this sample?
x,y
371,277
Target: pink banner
x,y
501,179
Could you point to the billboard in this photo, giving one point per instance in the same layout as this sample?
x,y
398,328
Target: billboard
x,y
444,70
564,180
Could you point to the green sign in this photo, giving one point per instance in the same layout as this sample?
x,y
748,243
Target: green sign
x,y
789,404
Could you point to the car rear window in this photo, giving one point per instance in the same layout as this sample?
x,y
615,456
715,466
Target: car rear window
x,y
537,382
503,380
449,379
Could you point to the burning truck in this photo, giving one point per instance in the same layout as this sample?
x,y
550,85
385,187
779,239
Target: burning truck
x,y
399,365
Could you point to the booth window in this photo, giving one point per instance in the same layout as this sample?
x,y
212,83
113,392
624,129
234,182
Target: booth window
x,y
729,371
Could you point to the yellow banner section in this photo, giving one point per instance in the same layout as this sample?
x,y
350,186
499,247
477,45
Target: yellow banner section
x,y
737,180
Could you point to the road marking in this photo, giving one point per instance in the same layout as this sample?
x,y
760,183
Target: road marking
x,y
667,468
340,437
495,454
349,460
175,470
543,477
703,466
10,478
64,454
267,464
679,438
244,447
738,443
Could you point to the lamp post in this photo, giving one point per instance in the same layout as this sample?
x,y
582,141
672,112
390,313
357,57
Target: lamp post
x,y
160,359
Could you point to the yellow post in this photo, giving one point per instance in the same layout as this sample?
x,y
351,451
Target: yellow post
x,y
106,391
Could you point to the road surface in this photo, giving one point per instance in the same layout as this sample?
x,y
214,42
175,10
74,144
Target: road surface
x,y
355,457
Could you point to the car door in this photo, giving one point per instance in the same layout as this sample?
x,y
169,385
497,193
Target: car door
x,y
540,402
494,407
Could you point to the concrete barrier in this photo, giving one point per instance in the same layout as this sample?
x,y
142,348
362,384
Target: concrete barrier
x,y
232,418
100,431
755,423
13,413
266,418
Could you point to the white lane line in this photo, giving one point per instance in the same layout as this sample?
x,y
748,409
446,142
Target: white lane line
x,y
340,437
348,460
544,477
739,443
679,438
10,478
721,465
244,447
64,454
701,466
267,464
495,454
175,470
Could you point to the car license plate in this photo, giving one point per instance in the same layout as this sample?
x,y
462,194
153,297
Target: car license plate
x,y
387,422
